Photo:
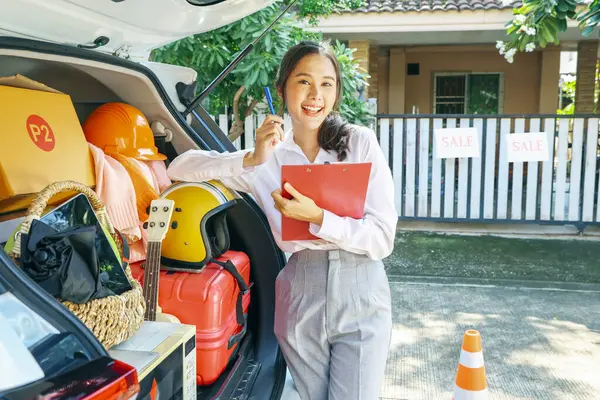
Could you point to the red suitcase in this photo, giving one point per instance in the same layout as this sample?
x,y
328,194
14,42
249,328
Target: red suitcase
x,y
211,300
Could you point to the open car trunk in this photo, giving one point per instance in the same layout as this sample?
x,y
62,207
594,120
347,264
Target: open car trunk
x,y
92,79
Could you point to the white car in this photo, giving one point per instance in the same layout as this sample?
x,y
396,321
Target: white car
x,y
97,51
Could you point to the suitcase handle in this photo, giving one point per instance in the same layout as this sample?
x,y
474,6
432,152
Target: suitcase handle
x,y
234,339
240,315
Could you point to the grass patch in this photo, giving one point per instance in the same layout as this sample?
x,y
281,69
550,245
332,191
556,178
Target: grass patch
x,y
431,254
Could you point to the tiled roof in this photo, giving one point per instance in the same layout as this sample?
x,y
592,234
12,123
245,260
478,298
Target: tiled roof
x,y
434,5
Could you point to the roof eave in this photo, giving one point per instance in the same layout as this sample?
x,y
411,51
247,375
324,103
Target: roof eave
x,y
416,21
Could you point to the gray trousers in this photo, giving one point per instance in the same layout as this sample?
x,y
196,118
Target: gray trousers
x,y
333,323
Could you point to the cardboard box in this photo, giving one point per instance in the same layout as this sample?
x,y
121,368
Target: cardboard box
x,y
164,355
42,143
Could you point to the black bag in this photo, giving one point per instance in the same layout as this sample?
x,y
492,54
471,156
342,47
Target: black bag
x,y
65,264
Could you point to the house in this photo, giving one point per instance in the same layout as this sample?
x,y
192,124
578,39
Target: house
x,y
441,57
436,64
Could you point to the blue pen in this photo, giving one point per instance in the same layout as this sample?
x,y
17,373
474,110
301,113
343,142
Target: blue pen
x,y
269,99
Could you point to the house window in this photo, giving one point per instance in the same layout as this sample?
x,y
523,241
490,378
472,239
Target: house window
x,y
464,93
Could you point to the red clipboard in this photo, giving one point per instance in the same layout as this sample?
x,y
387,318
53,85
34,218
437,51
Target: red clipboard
x,y
339,188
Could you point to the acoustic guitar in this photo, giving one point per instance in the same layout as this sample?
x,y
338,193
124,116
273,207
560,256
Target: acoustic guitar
x,y
157,226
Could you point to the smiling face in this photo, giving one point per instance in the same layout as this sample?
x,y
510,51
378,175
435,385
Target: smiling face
x,y
310,92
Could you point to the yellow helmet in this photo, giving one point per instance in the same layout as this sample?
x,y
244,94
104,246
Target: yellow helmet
x,y
198,227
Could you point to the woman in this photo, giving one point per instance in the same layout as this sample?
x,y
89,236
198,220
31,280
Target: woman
x,y
332,312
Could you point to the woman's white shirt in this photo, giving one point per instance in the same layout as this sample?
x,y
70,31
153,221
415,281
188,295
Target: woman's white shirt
x,y
373,235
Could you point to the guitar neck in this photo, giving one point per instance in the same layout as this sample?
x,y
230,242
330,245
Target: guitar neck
x,y
151,275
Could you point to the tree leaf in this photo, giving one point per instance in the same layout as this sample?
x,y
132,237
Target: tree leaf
x,y
562,25
251,80
588,31
209,52
563,7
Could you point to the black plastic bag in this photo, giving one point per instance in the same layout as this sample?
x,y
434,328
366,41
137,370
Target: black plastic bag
x,y
65,264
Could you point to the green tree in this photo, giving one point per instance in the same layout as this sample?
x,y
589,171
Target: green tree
x,y
352,108
210,52
539,22
569,89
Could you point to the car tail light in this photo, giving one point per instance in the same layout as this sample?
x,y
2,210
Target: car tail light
x,y
125,387
102,379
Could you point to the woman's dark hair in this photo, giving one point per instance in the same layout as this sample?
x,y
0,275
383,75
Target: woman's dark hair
x,y
334,131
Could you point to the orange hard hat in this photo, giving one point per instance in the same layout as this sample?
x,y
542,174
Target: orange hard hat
x,y
121,128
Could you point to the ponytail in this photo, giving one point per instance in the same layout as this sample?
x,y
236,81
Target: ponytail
x,y
333,135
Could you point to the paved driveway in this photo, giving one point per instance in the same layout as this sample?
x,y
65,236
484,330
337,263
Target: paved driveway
x,y
538,343
535,302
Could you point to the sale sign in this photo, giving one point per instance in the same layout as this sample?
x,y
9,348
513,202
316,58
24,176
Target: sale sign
x,y
456,143
527,147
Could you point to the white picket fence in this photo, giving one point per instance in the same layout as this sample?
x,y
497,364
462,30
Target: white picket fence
x,y
561,190
251,123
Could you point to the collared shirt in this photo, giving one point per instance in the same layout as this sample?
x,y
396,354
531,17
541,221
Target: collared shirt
x,y
373,235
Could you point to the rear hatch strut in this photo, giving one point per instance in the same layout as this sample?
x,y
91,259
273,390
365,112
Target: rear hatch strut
x,y
184,90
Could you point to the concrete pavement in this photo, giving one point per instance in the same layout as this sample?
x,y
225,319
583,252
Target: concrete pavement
x,y
535,302
538,343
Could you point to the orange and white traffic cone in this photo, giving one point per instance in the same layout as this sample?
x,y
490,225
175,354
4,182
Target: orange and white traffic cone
x,y
470,382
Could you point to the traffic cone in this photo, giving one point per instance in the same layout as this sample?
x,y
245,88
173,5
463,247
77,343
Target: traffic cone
x,y
470,382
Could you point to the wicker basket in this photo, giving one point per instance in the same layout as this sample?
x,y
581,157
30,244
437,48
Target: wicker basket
x,y
111,319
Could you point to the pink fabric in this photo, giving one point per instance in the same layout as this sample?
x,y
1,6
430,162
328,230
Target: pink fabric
x,y
137,250
159,170
114,187
147,172
155,173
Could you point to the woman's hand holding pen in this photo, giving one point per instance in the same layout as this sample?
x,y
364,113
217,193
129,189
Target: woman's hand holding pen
x,y
267,137
300,207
